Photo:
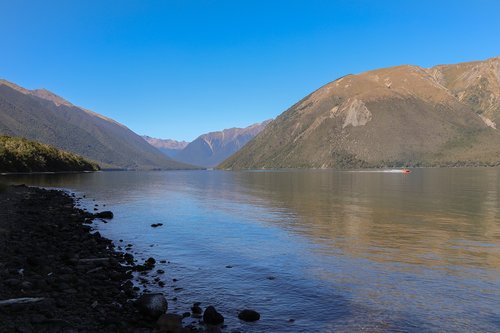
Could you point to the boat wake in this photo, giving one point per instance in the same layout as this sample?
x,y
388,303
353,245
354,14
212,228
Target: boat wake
x,y
404,171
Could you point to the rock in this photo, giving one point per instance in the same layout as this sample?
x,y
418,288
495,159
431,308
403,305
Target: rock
x,y
37,318
128,258
152,305
196,309
212,317
169,322
12,282
23,329
150,262
160,271
104,215
249,315
156,225
26,285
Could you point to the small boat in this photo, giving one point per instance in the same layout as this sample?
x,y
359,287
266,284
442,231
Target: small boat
x,y
407,171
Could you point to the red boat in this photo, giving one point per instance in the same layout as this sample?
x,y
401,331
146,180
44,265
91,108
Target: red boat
x,y
406,171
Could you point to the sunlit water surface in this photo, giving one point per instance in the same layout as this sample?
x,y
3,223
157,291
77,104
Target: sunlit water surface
x,y
314,251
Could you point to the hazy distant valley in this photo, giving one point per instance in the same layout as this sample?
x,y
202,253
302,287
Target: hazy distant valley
x,y
208,150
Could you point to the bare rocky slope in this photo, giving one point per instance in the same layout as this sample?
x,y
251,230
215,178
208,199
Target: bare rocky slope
x,y
42,116
208,150
446,115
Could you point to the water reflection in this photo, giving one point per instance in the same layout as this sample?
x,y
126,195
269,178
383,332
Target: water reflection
x,y
351,251
432,217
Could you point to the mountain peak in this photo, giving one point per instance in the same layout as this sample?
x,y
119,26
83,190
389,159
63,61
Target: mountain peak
x,y
26,113
444,115
50,96
40,93
209,149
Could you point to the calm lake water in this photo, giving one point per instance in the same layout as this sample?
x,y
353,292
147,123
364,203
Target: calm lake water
x,y
336,251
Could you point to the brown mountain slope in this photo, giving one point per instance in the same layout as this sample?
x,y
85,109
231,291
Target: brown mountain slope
x,y
45,117
476,84
403,115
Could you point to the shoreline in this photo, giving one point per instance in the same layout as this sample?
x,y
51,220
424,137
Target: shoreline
x,y
57,274
76,278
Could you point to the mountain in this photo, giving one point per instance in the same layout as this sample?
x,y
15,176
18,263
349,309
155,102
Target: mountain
x,y
406,115
208,150
42,116
167,146
22,155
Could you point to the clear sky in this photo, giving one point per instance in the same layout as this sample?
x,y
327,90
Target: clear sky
x,y
177,69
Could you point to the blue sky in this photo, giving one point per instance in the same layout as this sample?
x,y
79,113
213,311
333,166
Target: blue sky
x,y
177,69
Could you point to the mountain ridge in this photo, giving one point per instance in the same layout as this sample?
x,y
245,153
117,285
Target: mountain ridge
x,y
402,115
45,117
169,147
208,149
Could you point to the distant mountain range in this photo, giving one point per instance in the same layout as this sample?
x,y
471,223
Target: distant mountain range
x,y
42,116
208,150
167,146
446,115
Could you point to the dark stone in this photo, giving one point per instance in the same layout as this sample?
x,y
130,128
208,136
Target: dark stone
x,y
23,329
196,309
152,305
156,225
249,315
128,258
212,317
104,215
150,262
12,282
169,323
26,285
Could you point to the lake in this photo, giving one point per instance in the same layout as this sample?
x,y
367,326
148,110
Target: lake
x,y
313,250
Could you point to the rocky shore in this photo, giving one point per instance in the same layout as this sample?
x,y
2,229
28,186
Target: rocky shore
x,y
57,274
